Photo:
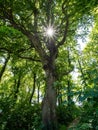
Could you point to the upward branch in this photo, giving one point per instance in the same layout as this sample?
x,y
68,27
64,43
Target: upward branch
x,y
66,18
33,38
64,33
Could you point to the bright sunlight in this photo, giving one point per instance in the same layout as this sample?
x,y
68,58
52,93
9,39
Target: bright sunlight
x,y
49,31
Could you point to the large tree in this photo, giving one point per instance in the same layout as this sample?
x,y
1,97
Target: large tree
x,y
32,18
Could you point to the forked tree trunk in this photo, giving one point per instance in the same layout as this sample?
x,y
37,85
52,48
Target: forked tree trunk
x,y
49,102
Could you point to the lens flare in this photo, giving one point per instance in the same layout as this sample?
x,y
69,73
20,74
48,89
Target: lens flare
x,y
49,31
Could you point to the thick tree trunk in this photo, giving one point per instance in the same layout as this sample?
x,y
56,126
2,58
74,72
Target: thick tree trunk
x,y
49,102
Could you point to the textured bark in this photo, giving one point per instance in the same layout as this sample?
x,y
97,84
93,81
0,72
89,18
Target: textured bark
x,y
49,104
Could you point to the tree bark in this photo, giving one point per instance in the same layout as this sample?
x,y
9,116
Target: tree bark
x,y
69,97
33,88
59,95
4,66
17,86
49,102
38,93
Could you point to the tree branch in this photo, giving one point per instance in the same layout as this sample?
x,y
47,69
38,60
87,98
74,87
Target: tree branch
x,y
82,73
65,33
29,58
22,57
5,49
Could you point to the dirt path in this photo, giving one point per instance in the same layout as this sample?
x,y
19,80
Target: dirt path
x,y
73,123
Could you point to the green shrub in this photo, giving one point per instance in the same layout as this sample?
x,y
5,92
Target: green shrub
x,y
19,116
66,114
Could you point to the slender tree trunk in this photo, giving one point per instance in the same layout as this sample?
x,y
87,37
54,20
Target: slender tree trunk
x,y
33,89
38,93
49,102
59,95
4,66
17,84
69,97
82,73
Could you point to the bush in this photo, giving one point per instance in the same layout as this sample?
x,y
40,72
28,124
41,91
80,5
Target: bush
x,y
21,116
